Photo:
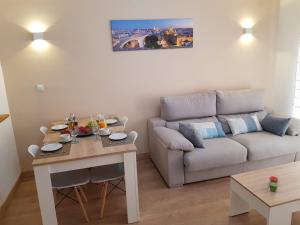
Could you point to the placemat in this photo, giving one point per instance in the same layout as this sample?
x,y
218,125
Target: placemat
x,y
65,150
106,142
118,123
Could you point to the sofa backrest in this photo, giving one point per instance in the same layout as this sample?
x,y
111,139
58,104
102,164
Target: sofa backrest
x,y
240,101
189,106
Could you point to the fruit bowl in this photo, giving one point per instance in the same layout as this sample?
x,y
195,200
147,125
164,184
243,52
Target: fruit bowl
x,y
84,131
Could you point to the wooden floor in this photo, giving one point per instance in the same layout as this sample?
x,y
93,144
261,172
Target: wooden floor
x,y
203,203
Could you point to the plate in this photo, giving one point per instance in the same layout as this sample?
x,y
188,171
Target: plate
x,y
111,121
117,136
51,147
59,127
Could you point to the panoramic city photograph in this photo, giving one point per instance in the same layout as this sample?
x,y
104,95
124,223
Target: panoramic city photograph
x,y
151,34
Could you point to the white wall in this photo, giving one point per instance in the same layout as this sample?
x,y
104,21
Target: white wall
x,y
9,162
287,53
83,75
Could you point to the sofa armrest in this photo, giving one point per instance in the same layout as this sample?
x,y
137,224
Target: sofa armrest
x,y
152,123
168,162
172,139
156,122
294,128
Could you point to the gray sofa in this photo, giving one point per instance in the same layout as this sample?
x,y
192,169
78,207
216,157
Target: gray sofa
x,y
180,163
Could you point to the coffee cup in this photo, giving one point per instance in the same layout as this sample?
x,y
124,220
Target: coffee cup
x,y
65,137
104,131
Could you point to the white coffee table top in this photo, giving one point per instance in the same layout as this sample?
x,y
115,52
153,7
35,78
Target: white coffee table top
x,y
257,182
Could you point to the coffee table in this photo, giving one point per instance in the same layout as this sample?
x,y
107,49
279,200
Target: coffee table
x,y
251,190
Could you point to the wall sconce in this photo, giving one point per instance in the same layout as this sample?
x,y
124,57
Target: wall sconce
x,y
38,42
38,36
247,36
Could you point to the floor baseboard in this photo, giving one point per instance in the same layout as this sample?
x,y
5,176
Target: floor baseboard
x,y
143,156
10,196
27,175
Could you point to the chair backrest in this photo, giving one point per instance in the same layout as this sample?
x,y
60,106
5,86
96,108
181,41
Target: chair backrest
x,y
44,130
124,120
133,135
33,150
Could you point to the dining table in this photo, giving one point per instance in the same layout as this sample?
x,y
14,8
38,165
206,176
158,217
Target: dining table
x,y
87,153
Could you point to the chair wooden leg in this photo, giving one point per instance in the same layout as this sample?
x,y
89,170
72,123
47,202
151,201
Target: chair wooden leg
x,y
55,195
82,193
104,192
81,204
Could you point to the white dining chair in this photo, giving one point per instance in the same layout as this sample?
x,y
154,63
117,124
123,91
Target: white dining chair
x,y
33,150
44,130
107,174
133,135
73,180
124,120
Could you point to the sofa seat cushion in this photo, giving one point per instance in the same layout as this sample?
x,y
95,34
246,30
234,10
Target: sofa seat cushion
x,y
263,145
218,152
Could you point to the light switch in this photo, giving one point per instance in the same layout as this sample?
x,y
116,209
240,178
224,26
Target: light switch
x,y
40,87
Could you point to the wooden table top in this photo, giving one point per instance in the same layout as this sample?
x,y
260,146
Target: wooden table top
x,y
257,182
86,148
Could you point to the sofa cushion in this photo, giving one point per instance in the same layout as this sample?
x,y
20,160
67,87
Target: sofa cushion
x,y
218,152
172,139
223,119
244,125
263,145
175,124
240,101
294,128
191,134
206,130
275,124
188,106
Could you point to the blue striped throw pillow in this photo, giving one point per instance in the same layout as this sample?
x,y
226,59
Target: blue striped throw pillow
x,y
243,125
207,130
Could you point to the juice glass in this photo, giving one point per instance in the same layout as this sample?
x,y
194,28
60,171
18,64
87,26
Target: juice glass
x,y
102,124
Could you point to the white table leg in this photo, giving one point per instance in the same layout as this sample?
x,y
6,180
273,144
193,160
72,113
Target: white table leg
x,y
131,184
279,217
45,195
237,205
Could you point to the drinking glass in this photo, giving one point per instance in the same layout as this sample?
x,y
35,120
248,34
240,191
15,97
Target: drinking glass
x,y
95,130
74,134
101,121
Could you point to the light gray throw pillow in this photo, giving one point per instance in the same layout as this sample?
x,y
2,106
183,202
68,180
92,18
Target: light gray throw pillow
x,y
294,128
175,124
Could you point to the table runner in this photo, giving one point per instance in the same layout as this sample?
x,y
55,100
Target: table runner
x,y
65,150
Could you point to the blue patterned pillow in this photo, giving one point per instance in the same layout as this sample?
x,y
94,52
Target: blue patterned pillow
x,y
207,130
243,125
190,133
